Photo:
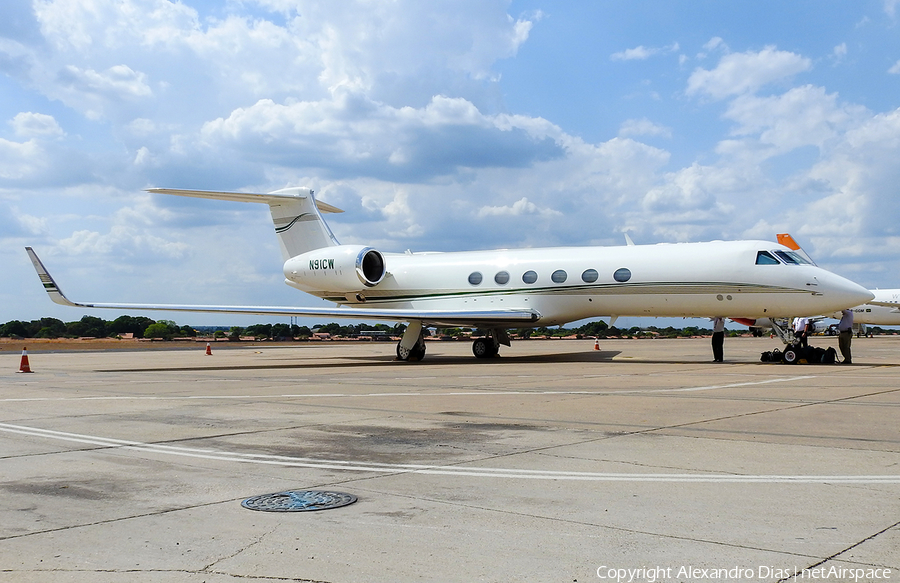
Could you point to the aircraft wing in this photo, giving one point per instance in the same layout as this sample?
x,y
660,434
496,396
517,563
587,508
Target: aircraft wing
x,y
473,318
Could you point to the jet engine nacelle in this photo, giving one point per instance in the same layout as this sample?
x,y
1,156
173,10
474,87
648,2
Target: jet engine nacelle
x,y
343,268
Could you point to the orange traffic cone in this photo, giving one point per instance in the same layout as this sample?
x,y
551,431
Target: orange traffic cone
x,y
24,367
208,349
597,344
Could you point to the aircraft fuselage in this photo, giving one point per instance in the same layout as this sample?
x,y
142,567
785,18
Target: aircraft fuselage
x,y
564,284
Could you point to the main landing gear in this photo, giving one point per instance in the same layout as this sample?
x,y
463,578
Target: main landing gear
x,y
485,348
416,353
489,346
412,346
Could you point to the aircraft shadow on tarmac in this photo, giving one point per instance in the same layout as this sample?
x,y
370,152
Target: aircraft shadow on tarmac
x,y
386,360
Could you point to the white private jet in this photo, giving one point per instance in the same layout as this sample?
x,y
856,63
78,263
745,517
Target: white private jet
x,y
519,288
882,310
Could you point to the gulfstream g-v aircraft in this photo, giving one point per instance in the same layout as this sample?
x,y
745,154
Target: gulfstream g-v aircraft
x,y
520,288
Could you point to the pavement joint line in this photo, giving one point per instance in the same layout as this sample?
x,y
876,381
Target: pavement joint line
x,y
774,410
602,526
839,553
492,393
159,512
444,470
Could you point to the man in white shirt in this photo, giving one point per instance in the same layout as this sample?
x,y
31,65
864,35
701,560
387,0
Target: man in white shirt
x,y
800,331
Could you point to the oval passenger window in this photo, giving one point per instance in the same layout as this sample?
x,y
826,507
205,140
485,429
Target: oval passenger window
x,y
622,275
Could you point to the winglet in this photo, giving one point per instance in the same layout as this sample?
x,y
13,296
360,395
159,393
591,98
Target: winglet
x,y
52,289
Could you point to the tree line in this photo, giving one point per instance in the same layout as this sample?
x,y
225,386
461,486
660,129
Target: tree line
x,y
94,327
143,327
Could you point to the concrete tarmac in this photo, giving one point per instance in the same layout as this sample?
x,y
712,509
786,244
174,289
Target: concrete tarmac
x,y
641,461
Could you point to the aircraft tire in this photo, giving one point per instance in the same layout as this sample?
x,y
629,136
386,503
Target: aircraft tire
x,y
484,348
414,354
789,356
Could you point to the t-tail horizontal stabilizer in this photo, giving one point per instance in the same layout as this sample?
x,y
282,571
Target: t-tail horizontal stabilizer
x,y
296,215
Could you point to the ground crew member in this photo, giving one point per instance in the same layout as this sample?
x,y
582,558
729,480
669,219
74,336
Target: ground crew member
x,y
801,332
845,334
718,339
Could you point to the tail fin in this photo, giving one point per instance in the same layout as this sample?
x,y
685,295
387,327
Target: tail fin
x,y
295,213
788,241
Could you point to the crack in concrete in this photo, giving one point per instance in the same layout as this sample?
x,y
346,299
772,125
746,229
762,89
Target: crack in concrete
x,y
114,520
850,548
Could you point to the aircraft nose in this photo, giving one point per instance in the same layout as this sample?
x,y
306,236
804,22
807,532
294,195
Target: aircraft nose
x,y
843,292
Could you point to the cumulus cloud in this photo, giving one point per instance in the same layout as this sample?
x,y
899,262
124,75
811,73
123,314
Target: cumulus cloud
x,y
830,197
100,56
641,53
643,127
20,159
359,136
521,207
30,124
801,116
118,80
839,53
739,73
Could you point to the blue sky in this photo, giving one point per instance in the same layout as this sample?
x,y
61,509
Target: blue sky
x,y
470,124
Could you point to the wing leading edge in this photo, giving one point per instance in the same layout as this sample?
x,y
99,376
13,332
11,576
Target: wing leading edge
x,y
498,318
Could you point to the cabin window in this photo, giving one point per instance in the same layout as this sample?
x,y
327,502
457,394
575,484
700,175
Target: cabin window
x,y
787,258
529,277
502,277
559,276
622,274
589,276
475,278
765,258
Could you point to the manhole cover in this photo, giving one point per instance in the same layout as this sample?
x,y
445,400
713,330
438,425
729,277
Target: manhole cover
x,y
298,501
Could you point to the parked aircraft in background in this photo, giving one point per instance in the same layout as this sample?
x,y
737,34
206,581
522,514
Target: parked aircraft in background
x,y
882,310
520,288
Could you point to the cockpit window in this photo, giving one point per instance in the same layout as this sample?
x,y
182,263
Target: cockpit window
x,y
797,257
788,258
765,258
